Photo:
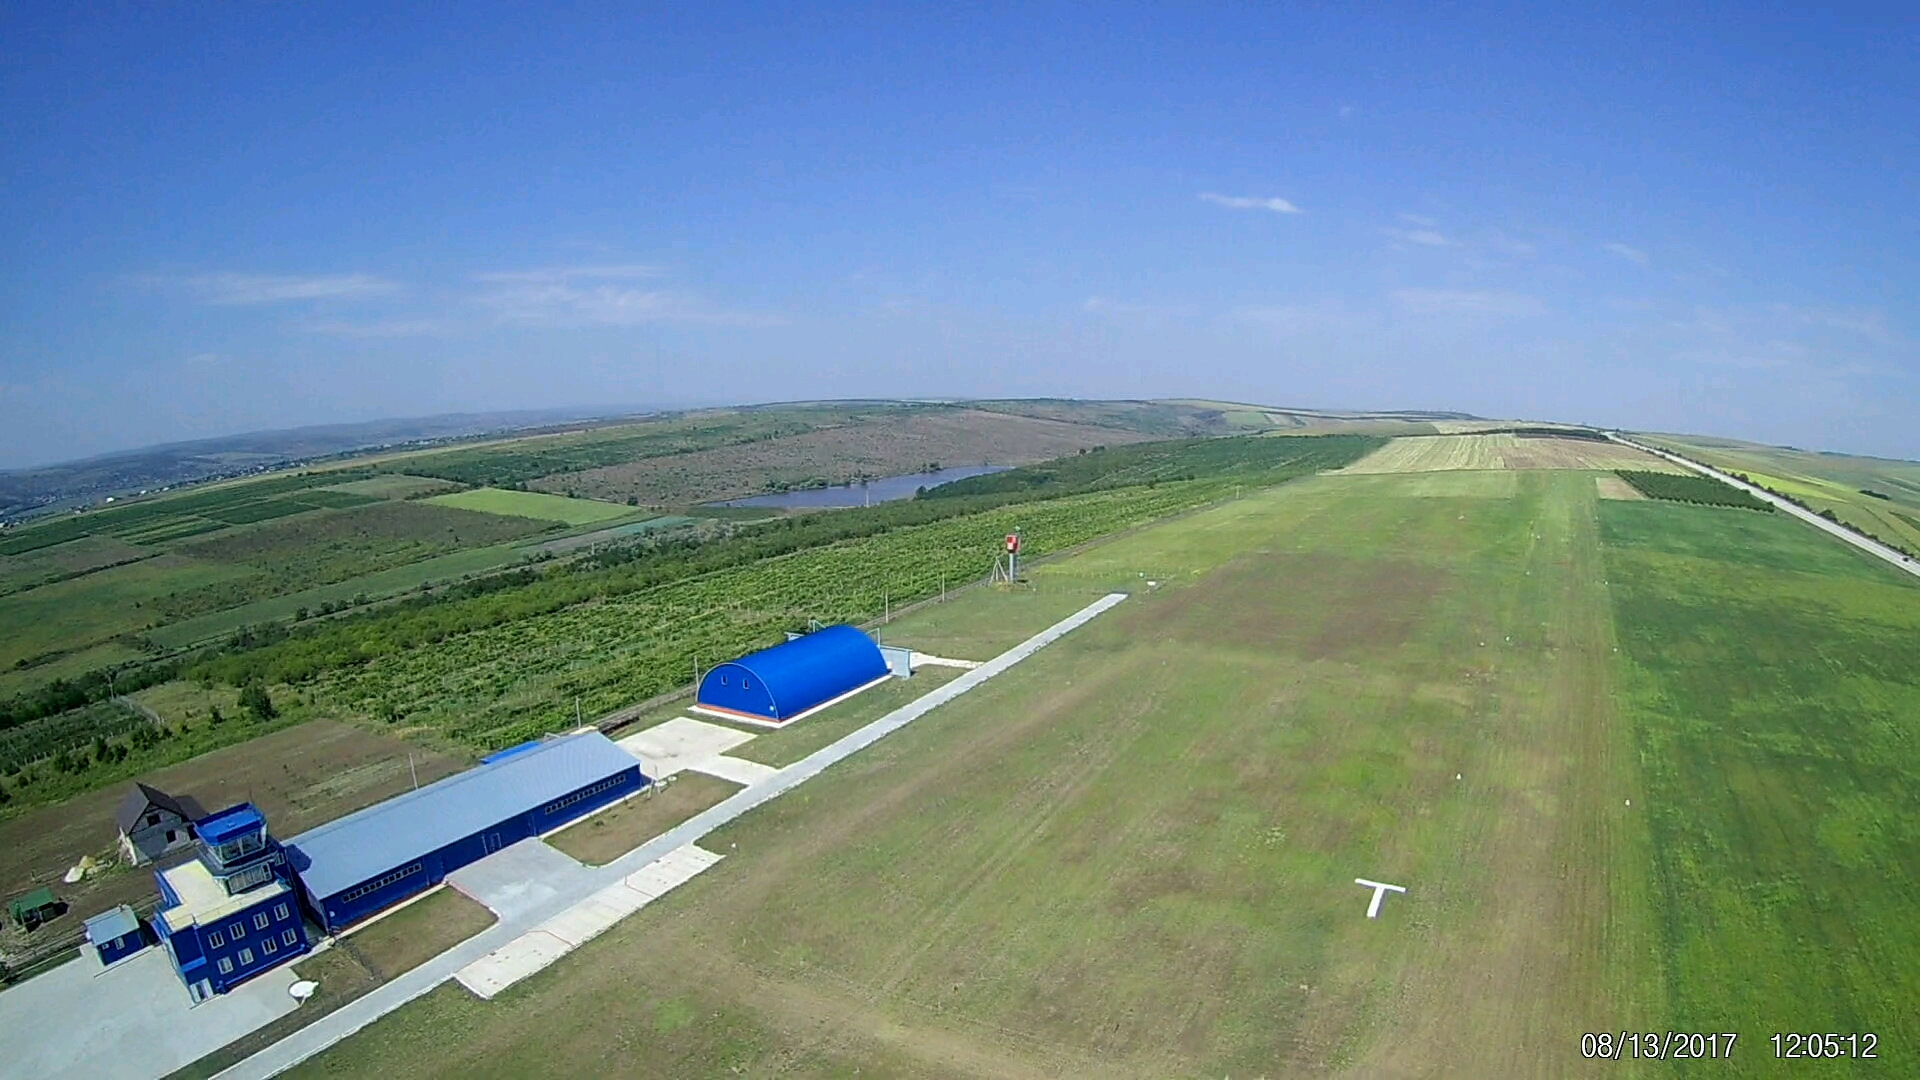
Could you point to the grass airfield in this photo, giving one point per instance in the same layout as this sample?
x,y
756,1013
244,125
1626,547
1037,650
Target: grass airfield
x,y
1133,855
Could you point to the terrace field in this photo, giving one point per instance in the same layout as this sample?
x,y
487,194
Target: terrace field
x,y
531,504
1639,764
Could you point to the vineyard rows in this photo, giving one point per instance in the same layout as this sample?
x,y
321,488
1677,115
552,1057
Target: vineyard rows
x,y
497,686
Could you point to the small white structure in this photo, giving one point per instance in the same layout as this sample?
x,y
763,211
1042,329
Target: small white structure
x,y
1380,890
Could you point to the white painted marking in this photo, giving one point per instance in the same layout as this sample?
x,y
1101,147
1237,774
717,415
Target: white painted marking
x,y
740,771
920,659
1380,890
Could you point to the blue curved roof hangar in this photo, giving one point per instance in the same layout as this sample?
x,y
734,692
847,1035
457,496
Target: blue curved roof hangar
x,y
778,684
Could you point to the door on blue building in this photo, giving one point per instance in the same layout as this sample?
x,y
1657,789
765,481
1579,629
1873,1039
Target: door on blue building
x,y
489,843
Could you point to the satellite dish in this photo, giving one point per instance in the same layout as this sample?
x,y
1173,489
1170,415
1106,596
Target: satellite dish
x,y
303,990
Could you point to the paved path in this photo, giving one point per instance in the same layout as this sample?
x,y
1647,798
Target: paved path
x,y
1871,547
384,999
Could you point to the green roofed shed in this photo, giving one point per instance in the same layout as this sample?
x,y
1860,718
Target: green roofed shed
x,y
34,908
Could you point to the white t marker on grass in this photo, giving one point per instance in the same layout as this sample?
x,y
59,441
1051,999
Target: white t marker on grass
x,y
1380,890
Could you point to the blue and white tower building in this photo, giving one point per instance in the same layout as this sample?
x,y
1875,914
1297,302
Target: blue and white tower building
x,y
231,913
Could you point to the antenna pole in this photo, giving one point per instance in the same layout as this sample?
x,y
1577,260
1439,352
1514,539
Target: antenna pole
x,y
415,772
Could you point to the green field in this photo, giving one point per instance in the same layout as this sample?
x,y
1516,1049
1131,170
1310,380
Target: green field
x,y
1640,764
44,566
1774,694
532,504
86,611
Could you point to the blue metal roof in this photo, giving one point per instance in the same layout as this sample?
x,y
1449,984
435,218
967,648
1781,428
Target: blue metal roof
x,y
116,923
226,824
517,748
370,842
789,679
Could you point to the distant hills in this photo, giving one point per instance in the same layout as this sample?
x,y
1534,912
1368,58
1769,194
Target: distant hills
x,y
55,487
45,489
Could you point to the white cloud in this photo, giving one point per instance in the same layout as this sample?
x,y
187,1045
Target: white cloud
x,y
1631,254
1423,222
1478,303
1290,318
1346,111
1100,305
1244,202
236,289
562,274
385,328
595,296
1423,237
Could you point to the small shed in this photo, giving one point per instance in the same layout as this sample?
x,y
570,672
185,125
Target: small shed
x,y
117,934
153,823
899,660
780,685
36,907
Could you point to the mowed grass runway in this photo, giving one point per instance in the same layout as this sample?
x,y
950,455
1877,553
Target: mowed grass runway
x,y
1133,855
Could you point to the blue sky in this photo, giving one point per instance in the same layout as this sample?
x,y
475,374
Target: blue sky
x,y
225,218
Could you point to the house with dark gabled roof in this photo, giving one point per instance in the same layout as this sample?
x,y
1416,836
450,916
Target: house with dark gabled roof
x,y
153,823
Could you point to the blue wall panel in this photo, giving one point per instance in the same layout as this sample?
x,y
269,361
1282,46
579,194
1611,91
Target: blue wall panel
x,y
334,912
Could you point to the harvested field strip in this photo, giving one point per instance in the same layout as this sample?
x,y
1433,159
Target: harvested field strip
x,y
1612,487
1439,453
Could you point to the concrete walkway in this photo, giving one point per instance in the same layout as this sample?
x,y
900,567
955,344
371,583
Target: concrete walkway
x,y
1871,547
384,999
524,876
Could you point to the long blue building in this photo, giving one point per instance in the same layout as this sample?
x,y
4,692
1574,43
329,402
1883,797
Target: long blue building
x,y
355,866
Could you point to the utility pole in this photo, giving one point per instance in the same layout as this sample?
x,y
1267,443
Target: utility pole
x,y
576,711
415,772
